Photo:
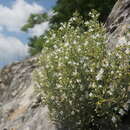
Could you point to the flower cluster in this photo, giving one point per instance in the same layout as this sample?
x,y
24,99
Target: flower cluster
x,y
83,83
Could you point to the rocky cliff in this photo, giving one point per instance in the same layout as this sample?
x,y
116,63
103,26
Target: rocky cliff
x,y
118,22
19,105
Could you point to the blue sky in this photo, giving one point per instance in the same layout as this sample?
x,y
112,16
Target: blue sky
x,y
13,15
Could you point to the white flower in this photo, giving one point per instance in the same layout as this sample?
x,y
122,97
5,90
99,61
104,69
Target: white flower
x,y
72,113
121,112
78,36
90,30
100,86
112,72
61,112
79,49
109,53
66,57
90,13
86,23
118,55
98,43
114,119
47,41
75,73
93,85
70,102
92,16
61,28
86,43
66,44
91,70
52,97
56,57
115,108
109,92
90,94
70,62
74,42
59,86
55,46
47,66
72,19
78,80
86,69
53,35
97,35
84,65
127,51
100,74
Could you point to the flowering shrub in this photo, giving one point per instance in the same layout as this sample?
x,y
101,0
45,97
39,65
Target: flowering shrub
x,y
83,83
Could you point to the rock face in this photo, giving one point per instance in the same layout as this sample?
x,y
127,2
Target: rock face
x,y
118,22
19,108
119,17
19,105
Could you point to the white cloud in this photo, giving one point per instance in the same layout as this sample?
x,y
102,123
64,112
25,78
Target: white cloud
x,y
39,29
16,16
11,49
1,28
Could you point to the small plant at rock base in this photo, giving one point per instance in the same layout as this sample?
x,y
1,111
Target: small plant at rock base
x,y
83,83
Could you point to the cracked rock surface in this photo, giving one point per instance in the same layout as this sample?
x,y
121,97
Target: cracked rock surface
x,y
18,110
118,22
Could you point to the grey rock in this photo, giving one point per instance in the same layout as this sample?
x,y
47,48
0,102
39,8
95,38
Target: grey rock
x,y
19,109
118,22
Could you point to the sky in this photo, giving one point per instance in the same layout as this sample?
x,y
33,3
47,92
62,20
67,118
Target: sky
x,y
13,15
